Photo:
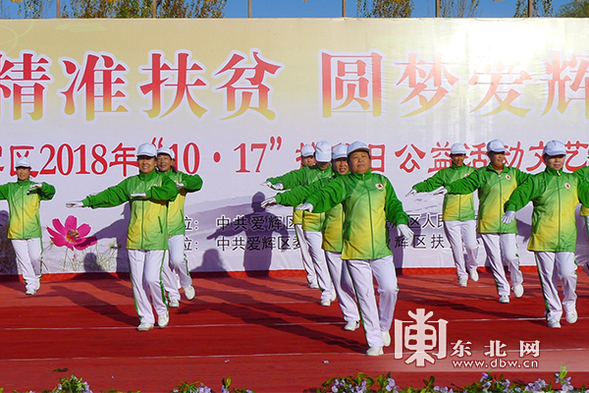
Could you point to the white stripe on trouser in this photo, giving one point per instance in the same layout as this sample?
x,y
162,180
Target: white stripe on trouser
x,y
318,256
376,319
146,267
305,255
551,267
502,247
28,259
177,265
342,282
462,237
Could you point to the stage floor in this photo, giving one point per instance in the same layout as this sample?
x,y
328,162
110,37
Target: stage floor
x,y
270,334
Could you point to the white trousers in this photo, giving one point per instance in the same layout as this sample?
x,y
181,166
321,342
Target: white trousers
x,y
344,289
146,271
176,268
315,239
462,236
305,255
28,260
551,267
502,247
376,319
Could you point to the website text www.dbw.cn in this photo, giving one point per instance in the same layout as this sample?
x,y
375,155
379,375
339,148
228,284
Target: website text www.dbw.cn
x,y
497,364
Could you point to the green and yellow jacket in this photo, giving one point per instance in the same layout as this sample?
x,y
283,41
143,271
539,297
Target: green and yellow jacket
x,y
23,205
494,189
192,183
555,196
368,201
583,174
304,176
148,225
456,207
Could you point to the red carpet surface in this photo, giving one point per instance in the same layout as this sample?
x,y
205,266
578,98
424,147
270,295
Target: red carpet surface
x,y
270,334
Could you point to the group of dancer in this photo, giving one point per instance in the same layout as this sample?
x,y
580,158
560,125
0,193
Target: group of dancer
x,y
344,226
341,214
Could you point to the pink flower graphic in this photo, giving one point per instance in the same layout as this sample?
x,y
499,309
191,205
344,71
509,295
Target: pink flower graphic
x,y
70,235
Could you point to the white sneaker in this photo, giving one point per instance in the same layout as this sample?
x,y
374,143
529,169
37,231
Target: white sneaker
x,y
386,337
31,291
462,281
163,320
144,326
554,324
189,292
474,274
326,302
572,316
374,351
352,325
504,299
174,303
518,290
314,285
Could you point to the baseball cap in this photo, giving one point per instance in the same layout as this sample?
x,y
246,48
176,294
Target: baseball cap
x,y
307,150
355,146
339,151
554,148
458,148
146,149
496,146
322,151
166,150
23,162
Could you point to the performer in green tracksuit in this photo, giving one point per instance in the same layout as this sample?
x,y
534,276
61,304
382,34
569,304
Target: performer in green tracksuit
x,y
24,224
332,231
555,195
147,238
177,267
583,174
495,183
312,222
369,201
457,213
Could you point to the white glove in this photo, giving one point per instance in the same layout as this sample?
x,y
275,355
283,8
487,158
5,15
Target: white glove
x,y
179,185
404,231
74,204
306,207
277,186
34,187
266,184
508,217
268,202
441,191
411,192
139,195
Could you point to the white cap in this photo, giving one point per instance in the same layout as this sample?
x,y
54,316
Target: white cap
x,y
496,146
458,148
146,149
554,148
307,150
322,151
23,162
339,151
166,150
358,146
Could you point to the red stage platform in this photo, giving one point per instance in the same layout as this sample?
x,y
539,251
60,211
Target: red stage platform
x,y
270,334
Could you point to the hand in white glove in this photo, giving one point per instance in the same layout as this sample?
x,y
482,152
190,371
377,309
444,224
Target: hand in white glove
x,y
508,217
404,231
179,185
306,207
268,202
139,195
277,186
266,184
34,187
411,192
441,191
74,204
